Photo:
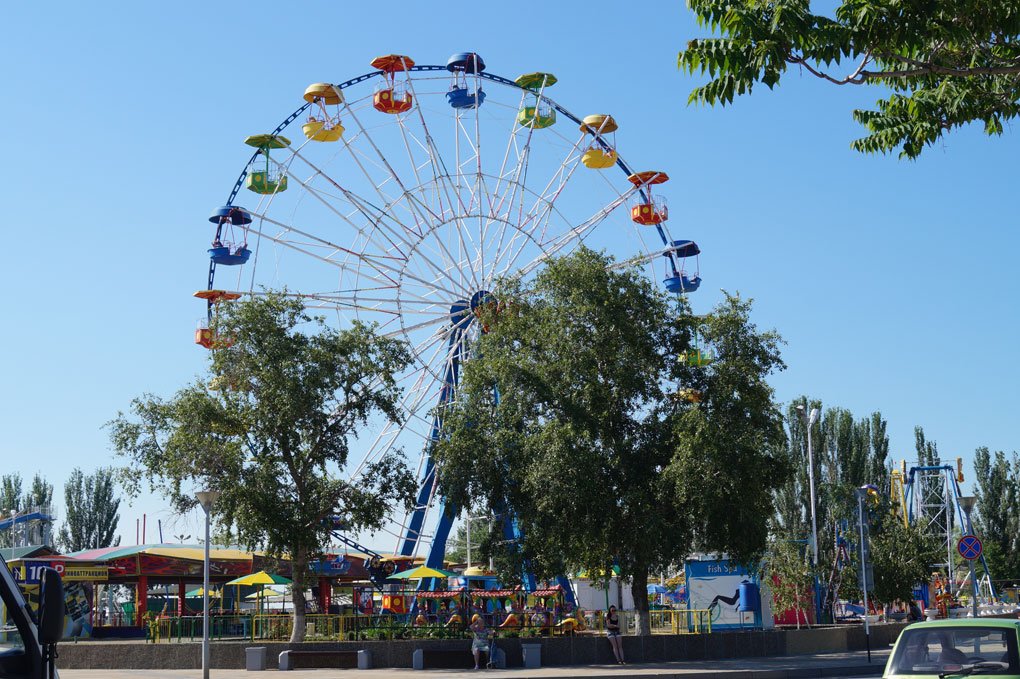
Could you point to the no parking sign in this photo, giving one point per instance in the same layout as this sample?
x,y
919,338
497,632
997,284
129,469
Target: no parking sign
x,y
969,547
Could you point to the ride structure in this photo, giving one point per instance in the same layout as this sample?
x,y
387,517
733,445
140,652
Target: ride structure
x,y
410,216
932,500
32,526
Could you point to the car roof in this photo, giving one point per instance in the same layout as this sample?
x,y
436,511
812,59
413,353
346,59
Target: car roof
x,y
1006,623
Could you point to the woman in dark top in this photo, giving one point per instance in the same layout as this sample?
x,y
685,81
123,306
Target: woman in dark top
x,y
613,634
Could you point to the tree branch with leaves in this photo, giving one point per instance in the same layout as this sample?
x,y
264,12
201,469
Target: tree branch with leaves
x,y
946,64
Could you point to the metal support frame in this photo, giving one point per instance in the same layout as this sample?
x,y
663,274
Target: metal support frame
x,y
933,495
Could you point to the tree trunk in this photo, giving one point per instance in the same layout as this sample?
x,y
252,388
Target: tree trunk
x,y
639,590
297,596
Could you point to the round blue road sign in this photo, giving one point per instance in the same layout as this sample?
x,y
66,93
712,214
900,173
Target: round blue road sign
x,y
969,547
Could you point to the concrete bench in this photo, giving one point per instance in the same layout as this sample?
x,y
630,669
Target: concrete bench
x,y
453,659
302,659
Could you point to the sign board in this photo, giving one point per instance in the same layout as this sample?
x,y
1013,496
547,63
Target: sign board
x,y
969,547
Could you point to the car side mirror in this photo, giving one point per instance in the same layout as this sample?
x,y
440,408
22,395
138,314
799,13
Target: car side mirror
x,y
51,607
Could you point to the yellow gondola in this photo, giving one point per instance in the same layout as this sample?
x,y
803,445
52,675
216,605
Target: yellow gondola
x,y
690,395
323,125
601,153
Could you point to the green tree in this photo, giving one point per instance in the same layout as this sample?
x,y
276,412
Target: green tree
x,y
927,451
944,63
10,503
901,556
787,570
591,444
997,488
39,495
848,453
275,438
91,505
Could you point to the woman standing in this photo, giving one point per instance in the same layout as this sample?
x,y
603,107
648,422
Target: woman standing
x,y
613,634
479,638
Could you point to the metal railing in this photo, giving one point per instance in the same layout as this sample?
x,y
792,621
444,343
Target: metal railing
x,y
320,627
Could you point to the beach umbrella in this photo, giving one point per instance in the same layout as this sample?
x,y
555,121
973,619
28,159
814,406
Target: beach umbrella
x,y
261,578
213,593
421,572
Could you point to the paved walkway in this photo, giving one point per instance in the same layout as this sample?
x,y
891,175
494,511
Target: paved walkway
x,y
781,667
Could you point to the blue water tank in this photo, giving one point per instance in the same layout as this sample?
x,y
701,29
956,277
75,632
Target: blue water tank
x,y
750,600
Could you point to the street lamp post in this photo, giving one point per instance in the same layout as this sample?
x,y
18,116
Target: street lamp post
x,y
206,498
862,493
811,418
967,503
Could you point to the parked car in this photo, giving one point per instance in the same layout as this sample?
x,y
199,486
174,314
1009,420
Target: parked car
x,y
955,648
28,641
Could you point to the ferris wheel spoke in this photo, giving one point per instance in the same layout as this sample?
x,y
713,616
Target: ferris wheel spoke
x,y
515,127
418,326
440,173
377,217
542,208
573,234
400,273
381,217
421,219
370,212
441,176
412,401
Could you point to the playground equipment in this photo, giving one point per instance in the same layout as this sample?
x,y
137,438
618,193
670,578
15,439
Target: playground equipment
x,y
408,219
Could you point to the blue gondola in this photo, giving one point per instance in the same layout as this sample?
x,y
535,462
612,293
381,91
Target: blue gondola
x,y
461,65
465,62
682,284
461,97
231,214
685,248
224,255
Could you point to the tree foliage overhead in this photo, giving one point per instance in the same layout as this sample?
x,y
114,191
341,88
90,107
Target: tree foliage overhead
x,y
91,505
13,500
945,63
570,416
997,488
275,436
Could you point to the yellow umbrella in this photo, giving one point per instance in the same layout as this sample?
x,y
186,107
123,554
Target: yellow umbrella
x,y
260,578
266,594
213,593
421,572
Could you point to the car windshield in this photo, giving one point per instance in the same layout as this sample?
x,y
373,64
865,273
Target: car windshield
x,y
933,650
10,635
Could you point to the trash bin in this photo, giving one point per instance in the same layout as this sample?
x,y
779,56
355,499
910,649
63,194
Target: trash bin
x,y
255,658
532,656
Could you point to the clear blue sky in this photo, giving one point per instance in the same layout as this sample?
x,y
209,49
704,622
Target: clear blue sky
x,y
893,282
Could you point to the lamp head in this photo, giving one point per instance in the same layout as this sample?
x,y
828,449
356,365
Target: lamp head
x,y
207,498
967,503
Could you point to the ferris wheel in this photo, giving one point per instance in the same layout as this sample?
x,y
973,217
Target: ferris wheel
x,y
400,199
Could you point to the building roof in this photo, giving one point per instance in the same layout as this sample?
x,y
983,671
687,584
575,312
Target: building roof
x,y
18,553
